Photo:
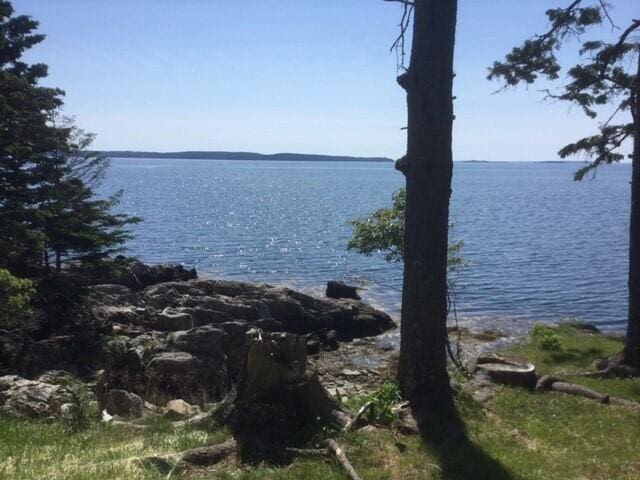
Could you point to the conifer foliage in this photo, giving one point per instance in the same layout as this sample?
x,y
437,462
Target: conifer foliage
x,y
605,84
48,211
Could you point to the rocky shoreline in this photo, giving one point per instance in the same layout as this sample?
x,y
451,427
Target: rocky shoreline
x,y
159,334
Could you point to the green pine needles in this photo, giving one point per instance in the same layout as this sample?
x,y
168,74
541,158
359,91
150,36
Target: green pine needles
x,y
48,211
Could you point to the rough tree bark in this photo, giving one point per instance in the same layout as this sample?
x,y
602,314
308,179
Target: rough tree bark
x,y
427,167
632,346
276,404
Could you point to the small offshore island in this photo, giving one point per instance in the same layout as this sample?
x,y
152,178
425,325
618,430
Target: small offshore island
x,y
197,155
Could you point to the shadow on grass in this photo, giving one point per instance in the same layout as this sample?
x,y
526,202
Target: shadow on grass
x,y
464,460
445,436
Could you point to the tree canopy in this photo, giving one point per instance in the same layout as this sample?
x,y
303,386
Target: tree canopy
x,y
607,75
47,173
604,76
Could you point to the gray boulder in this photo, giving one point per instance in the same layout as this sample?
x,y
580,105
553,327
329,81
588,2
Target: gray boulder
x,y
206,316
197,380
29,398
124,404
179,410
137,275
173,363
205,340
172,320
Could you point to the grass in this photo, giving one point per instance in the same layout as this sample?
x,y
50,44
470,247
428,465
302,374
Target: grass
x,y
579,350
37,450
519,435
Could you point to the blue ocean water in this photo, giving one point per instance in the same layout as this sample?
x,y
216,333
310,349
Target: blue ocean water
x,y
540,246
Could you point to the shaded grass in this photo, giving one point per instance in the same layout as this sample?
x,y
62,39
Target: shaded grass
x,y
519,435
38,450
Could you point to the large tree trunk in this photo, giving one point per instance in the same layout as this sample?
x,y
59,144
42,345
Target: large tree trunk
x,y
428,169
632,347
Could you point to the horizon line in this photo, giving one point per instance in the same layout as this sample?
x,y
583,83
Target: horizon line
x,y
194,155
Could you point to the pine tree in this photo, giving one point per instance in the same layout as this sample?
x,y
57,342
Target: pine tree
x,y
26,140
47,172
608,74
80,227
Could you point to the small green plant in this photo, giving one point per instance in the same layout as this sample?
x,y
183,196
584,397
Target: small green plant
x,y
80,413
545,338
16,295
384,398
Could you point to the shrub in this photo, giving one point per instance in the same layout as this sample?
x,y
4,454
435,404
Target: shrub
x,y
545,338
81,413
383,231
16,295
59,296
384,398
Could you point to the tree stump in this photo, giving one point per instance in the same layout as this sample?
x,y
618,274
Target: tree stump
x,y
276,405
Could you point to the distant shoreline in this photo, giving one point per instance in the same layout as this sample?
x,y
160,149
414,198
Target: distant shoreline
x,y
296,157
290,157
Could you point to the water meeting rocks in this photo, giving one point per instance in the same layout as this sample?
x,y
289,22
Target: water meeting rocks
x,y
337,289
187,339
177,306
177,339
137,275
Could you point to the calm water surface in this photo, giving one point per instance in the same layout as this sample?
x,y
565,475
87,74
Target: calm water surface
x,y
541,247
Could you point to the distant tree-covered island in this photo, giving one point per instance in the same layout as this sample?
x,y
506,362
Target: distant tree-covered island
x,y
203,155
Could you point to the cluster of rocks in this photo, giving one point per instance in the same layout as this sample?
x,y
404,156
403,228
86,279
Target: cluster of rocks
x,y
186,340
42,397
136,275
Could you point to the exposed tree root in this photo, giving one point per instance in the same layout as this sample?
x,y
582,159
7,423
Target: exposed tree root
x,y
201,457
547,382
306,452
206,456
367,407
342,459
610,371
205,420
405,424
507,370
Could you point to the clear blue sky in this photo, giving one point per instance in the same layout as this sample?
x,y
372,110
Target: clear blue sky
x,y
312,76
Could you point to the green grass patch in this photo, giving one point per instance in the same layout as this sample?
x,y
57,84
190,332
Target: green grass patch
x,y
580,349
520,435
37,450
